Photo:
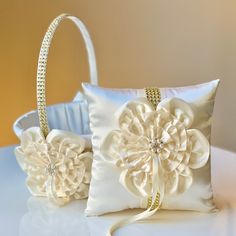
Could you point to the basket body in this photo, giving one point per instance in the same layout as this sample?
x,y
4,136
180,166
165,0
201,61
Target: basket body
x,y
72,116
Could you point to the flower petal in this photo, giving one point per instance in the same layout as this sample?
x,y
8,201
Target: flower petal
x,y
110,146
66,141
172,162
132,115
131,184
36,185
31,135
178,108
200,149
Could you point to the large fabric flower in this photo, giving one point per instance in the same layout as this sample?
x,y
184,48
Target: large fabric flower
x,y
58,167
165,134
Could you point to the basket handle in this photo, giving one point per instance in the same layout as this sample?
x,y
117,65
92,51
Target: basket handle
x,y
42,65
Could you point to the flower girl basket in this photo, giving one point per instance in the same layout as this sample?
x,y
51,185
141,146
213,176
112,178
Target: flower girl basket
x,y
57,160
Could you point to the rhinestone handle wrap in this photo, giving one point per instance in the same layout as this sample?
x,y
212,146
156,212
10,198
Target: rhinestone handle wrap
x,y
153,95
42,65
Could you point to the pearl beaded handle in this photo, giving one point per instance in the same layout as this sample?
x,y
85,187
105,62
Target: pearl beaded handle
x,y
42,64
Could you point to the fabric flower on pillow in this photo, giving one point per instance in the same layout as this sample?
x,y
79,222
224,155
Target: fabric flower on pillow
x,y
164,133
58,167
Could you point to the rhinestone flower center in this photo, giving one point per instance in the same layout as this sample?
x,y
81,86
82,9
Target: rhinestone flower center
x,y
156,145
50,169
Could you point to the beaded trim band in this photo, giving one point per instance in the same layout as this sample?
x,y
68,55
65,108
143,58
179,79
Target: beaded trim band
x,y
41,74
42,65
153,95
156,202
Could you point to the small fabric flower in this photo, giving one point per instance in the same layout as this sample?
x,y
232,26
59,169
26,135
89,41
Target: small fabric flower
x,y
58,167
164,133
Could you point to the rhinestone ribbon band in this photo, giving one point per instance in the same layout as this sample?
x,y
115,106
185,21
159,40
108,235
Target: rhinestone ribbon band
x,y
156,203
42,65
153,95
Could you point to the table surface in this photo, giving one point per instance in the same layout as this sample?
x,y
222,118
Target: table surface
x,y
21,214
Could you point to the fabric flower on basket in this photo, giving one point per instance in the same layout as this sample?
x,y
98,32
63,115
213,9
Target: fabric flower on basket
x,y
165,134
58,167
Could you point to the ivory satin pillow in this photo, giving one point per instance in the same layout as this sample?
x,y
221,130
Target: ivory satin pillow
x,y
128,132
